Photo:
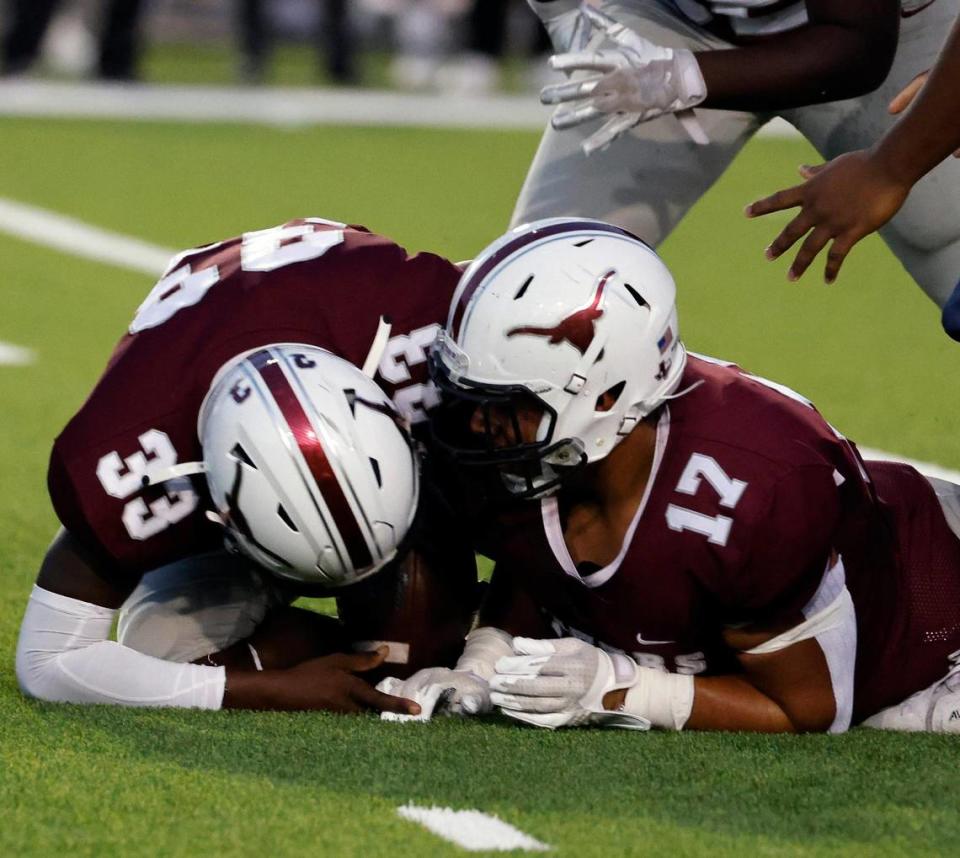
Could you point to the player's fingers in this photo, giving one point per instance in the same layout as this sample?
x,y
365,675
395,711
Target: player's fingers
x,y
564,119
531,686
788,236
838,252
583,61
785,199
570,90
902,99
609,131
808,171
534,646
811,246
522,703
359,662
521,665
367,697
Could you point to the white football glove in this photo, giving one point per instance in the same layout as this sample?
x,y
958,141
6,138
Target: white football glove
x,y
439,691
561,683
638,81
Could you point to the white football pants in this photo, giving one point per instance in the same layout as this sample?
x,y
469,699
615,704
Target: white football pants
x,y
647,180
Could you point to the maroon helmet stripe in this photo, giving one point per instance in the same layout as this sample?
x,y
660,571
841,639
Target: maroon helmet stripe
x,y
315,456
492,261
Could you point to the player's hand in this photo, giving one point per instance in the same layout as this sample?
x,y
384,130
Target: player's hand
x,y
332,683
841,201
635,80
562,683
441,691
903,99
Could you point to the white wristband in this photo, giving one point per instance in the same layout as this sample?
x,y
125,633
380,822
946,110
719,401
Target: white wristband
x,y
664,699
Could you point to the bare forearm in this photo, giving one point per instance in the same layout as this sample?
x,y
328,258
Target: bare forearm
x,y
813,64
732,703
930,130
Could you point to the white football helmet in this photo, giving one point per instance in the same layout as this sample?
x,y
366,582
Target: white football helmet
x,y
558,311
308,464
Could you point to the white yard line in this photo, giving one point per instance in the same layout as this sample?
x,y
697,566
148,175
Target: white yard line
x,y
284,107
80,239
471,829
11,355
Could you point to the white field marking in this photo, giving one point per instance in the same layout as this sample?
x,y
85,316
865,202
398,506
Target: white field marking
x,y
471,829
11,355
284,107
927,468
80,239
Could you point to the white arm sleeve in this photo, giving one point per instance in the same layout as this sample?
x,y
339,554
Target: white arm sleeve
x,y
64,655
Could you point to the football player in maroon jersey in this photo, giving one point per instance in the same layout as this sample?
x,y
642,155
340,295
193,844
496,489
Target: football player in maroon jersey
x,y
310,473
702,549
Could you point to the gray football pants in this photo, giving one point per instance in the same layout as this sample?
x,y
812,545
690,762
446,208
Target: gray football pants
x,y
648,179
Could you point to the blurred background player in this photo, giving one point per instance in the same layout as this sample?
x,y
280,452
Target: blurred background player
x,y
829,67
244,358
700,548
857,193
118,43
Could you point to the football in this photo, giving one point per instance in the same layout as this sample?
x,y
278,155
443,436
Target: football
x,y
419,607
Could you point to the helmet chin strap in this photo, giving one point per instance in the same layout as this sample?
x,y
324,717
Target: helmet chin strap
x,y
377,347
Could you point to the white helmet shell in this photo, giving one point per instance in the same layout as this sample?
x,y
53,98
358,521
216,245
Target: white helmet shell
x,y
308,464
569,309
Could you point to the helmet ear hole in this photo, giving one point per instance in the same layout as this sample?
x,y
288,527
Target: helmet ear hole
x,y
607,399
240,455
285,518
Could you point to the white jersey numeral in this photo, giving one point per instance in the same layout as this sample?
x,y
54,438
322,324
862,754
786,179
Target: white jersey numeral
x,y
262,250
715,527
122,477
402,352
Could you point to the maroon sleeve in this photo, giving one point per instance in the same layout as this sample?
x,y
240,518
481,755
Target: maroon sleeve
x,y
788,540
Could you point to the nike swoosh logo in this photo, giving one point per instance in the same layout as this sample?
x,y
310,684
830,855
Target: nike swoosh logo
x,y
643,642
909,14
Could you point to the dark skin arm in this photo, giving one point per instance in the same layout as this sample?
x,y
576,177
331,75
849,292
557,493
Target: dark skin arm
x,y
846,49
788,691
328,683
858,192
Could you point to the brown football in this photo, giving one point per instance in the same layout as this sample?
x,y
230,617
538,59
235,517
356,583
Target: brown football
x,y
421,607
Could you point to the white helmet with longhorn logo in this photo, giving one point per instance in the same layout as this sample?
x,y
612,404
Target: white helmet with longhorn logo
x,y
558,312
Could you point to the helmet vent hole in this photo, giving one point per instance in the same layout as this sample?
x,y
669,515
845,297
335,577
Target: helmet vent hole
x,y
600,356
376,471
607,400
240,455
351,396
285,518
636,295
523,289
583,243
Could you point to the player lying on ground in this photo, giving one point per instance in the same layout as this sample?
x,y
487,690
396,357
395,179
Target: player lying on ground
x,y
857,193
700,548
829,67
244,357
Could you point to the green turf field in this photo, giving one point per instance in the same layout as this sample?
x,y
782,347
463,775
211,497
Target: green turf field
x,y
97,781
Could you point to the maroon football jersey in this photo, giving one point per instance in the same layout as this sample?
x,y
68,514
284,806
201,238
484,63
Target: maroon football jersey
x,y
752,497
308,281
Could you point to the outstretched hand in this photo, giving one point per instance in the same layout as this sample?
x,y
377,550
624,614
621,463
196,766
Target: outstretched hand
x,y
840,201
